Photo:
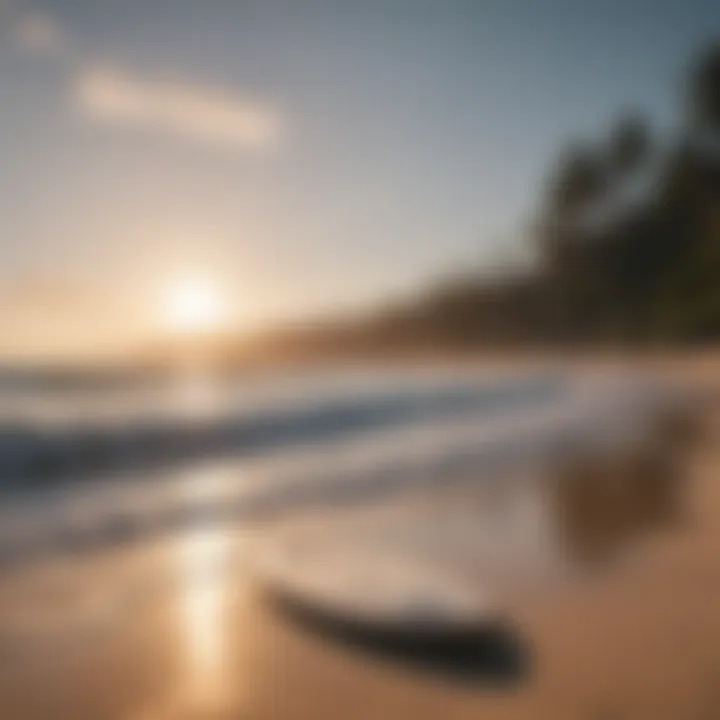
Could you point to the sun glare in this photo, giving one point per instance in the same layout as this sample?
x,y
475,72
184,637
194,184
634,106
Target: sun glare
x,y
193,304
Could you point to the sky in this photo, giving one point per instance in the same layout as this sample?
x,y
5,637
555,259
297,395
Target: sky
x,y
309,157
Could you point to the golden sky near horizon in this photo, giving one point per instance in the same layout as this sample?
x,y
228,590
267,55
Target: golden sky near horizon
x,y
52,318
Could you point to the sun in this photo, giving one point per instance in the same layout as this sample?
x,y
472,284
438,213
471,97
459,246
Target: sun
x,y
193,305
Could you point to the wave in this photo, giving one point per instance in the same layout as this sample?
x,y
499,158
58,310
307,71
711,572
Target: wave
x,y
345,451
38,451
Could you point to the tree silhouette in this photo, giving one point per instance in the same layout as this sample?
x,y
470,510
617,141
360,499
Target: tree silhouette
x,y
704,95
630,145
617,259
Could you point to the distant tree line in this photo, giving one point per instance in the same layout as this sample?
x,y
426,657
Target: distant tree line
x,y
627,248
627,241
629,233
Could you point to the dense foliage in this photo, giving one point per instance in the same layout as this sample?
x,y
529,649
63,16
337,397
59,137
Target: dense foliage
x,y
626,249
627,240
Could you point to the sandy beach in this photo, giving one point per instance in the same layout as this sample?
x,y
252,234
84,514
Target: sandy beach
x,y
359,360
188,635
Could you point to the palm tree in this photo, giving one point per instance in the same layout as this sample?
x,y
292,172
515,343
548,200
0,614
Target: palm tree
x,y
704,92
630,146
574,190
577,183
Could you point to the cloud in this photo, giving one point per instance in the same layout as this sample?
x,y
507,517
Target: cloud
x,y
196,113
39,33
114,96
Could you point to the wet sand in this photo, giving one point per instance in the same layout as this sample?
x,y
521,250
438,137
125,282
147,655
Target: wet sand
x,y
182,633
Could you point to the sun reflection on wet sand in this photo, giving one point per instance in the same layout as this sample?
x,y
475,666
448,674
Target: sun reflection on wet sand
x,y
205,593
203,557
